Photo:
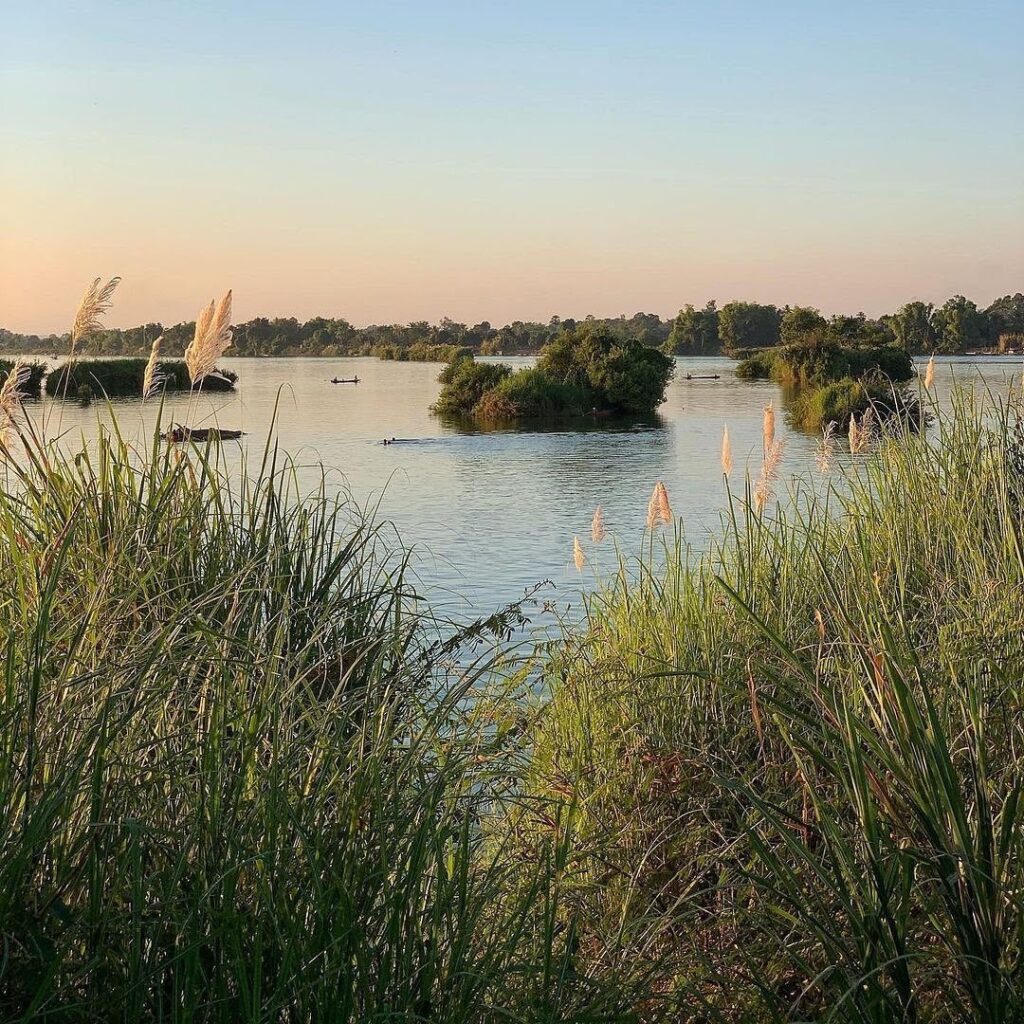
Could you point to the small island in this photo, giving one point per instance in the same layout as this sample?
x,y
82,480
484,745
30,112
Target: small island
x,y
583,371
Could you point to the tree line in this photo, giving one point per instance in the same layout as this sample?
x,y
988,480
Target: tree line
x,y
958,325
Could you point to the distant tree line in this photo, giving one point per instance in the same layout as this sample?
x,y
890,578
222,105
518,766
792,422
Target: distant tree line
x,y
958,325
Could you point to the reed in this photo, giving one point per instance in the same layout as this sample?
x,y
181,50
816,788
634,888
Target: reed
x,y
152,377
768,428
799,753
597,529
726,452
211,340
579,559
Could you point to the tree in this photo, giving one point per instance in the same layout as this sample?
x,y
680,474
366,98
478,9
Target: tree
x,y
798,322
695,331
960,325
748,325
913,326
1006,316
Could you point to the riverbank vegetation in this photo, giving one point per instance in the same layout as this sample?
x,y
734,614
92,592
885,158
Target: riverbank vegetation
x,y
958,325
581,372
803,749
420,352
248,776
120,378
826,382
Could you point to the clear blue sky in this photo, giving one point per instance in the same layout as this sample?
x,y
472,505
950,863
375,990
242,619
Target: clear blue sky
x,y
396,161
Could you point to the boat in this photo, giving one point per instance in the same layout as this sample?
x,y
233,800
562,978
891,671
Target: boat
x,y
703,376
343,380
178,434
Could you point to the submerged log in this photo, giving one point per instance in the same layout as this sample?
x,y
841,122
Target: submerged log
x,y
179,434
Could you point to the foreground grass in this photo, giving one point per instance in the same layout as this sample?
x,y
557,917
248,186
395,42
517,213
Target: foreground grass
x,y
246,777
243,777
803,754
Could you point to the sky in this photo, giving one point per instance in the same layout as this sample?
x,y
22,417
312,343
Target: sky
x,y
397,161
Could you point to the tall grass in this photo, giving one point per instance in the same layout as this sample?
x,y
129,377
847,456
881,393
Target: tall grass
x,y
802,754
244,776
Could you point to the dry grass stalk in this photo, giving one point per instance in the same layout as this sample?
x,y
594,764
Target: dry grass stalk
x,y
94,304
765,486
769,428
153,378
726,452
597,531
929,374
827,447
11,393
579,559
212,338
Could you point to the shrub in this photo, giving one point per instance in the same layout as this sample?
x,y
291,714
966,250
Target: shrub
x,y
464,382
120,378
530,394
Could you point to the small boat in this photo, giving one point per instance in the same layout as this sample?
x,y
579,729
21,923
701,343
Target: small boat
x,y
703,376
344,380
179,434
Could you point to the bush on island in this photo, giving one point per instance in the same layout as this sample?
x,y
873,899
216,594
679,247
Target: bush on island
x,y
120,378
583,370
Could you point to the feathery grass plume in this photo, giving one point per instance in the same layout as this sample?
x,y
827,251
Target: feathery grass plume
x,y
764,488
664,508
212,338
579,559
658,508
94,304
597,531
726,452
827,447
929,373
153,378
861,433
11,394
769,427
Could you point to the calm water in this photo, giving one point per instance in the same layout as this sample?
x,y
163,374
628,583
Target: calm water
x,y
490,514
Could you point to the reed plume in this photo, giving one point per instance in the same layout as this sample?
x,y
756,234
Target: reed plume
x,y
726,452
861,433
597,531
929,374
11,393
94,304
827,447
579,559
769,428
658,508
765,486
153,378
212,338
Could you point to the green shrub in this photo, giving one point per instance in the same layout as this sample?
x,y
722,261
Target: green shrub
x,y
464,382
530,394
119,378
32,387
757,364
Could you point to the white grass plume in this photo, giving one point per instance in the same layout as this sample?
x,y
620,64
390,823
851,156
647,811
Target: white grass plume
x,y
153,378
579,559
929,374
765,486
769,428
827,447
726,452
11,393
95,302
659,510
212,338
597,531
